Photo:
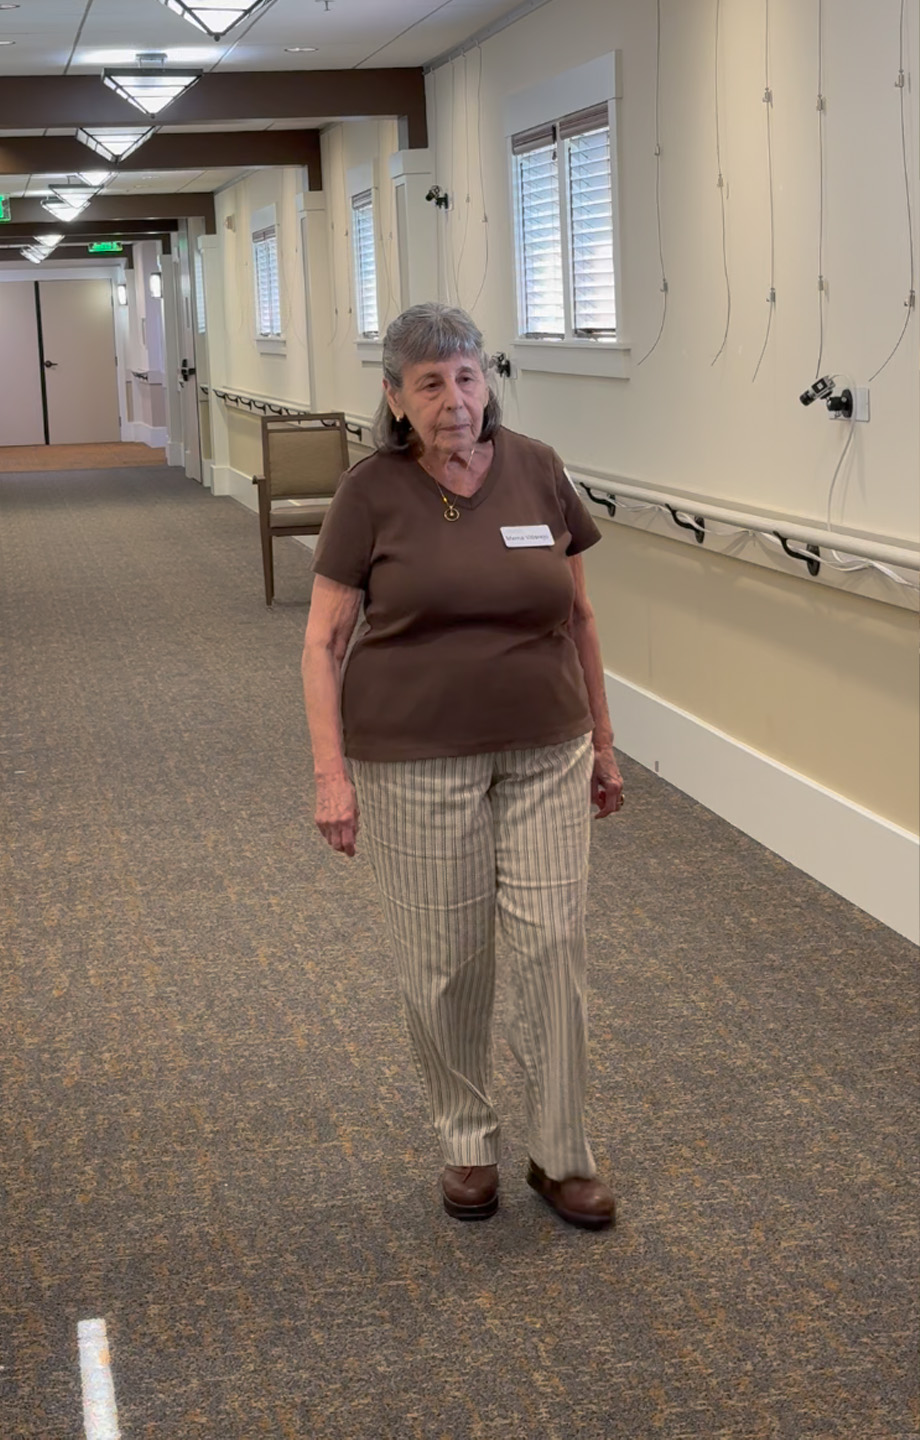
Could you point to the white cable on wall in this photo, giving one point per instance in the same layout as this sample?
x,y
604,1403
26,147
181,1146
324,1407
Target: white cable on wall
x,y
911,300
722,189
664,282
466,175
482,192
768,102
822,111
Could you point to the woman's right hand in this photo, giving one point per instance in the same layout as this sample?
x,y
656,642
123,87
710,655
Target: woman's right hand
x,y
337,812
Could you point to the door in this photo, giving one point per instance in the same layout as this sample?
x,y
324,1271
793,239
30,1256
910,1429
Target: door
x,y
187,378
21,419
78,344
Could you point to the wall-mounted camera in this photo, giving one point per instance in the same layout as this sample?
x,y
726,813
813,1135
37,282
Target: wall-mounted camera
x,y
840,407
439,196
817,388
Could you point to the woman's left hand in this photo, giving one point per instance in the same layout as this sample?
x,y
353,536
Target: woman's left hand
x,y
606,783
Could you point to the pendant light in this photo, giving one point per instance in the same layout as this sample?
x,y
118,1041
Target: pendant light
x,y
42,248
115,145
149,86
61,210
214,17
76,196
96,179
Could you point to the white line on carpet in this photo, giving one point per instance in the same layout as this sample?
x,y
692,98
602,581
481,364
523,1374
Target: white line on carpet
x,y
100,1416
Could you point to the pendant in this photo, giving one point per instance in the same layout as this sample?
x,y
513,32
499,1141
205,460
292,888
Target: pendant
x,y
451,513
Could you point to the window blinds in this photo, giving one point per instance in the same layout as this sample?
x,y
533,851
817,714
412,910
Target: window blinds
x,y
200,316
565,227
268,293
362,229
543,312
591,227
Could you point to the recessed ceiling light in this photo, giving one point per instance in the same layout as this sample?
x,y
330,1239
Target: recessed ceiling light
x,y
299,49
7,42
9,7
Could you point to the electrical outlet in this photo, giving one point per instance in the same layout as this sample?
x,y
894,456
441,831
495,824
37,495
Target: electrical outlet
x,y
861,402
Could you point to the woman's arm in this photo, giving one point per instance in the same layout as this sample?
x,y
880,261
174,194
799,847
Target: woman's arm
x,y
333,612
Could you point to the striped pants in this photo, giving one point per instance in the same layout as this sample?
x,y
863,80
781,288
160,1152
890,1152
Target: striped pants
x,y
458,844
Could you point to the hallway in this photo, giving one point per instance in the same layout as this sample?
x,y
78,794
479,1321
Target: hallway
x,y
211,1130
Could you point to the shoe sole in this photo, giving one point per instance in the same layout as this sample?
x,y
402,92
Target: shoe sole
x,y
572,1217
470,1212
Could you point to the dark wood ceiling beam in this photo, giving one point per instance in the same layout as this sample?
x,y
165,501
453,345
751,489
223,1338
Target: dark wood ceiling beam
x,y
79,231
33,102
120,207
65,155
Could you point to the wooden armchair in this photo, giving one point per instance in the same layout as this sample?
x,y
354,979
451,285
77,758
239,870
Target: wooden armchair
x,y
304,457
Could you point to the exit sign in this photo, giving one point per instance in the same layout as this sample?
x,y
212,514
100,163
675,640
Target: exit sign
x,y
5,208
106,247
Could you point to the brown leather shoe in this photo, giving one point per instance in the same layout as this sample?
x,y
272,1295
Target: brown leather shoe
x,y
470,1191
579,1200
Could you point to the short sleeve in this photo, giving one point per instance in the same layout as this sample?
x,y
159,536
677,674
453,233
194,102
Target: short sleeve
x,y
345,543
579,521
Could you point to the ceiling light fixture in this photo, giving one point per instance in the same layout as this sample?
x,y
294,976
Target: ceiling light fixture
x,y
8,42
62,211
77,196
149,86
95,178
300,49
42,248
214,17
114,145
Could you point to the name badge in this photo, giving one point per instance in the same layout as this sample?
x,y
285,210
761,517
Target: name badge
x,y
516,536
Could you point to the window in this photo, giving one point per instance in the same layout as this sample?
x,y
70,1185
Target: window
x,y
365,258
200,320
267,291
565,228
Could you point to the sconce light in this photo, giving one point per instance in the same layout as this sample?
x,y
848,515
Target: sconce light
x,y
121,292
156,285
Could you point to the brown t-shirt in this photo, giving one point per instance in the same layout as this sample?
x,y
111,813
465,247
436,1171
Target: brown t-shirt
x,y
464,648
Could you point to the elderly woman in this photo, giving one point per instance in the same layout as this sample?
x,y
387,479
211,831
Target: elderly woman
x,y
471,734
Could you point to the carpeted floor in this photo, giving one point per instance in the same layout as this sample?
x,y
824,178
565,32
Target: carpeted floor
x,y
210,1132
17,459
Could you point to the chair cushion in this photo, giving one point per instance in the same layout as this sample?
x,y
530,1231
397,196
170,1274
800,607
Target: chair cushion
x,y
295,517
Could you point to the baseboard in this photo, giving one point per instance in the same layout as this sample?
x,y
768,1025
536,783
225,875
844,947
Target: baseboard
x,y
227,481
156,436
863,857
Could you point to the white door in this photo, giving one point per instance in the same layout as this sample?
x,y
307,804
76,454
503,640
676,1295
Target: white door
x,y
21,419
187,378
78,335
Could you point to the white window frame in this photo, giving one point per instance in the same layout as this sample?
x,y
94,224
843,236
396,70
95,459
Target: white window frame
x,y
364,249
542,106
263,227
201,320
358,180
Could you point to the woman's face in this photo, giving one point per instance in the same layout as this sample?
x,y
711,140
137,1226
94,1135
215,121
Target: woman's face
x,y
444,401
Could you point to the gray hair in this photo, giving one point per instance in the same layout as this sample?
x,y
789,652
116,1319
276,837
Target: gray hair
x,y
428,332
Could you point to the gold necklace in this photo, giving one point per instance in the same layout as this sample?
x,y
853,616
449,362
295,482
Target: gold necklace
x,y
450,510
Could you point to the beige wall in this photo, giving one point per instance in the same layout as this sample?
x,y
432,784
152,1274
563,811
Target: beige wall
x,y
823,682
822,679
